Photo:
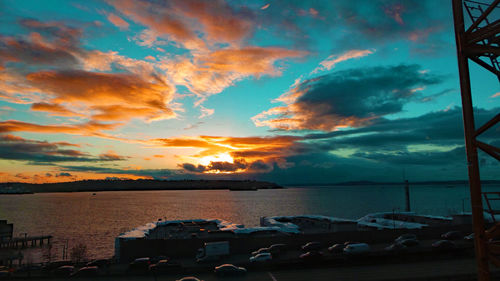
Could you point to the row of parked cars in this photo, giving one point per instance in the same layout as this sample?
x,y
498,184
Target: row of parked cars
x,y
68,269
312,250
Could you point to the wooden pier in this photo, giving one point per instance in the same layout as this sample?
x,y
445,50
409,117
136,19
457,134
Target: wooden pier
x,y
24,242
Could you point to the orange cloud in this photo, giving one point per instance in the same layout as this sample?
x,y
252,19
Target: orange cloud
x,y
207,74
111,155
107,92
54,109
233,154
159,20
89,128
138,91
183,21
332,60
117,21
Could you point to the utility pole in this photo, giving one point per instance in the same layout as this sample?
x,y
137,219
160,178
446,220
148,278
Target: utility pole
x,y
407,193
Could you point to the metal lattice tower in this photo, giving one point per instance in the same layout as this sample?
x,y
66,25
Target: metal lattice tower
x,y
480,43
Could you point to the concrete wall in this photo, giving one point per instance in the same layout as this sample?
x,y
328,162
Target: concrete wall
x,y
131,249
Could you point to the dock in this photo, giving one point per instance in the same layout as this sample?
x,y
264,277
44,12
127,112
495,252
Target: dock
x,y
24,242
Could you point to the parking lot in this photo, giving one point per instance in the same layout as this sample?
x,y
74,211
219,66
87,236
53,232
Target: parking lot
x,y
450,269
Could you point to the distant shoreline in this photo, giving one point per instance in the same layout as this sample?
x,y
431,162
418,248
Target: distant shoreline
x,y
134,185
358,183
152,185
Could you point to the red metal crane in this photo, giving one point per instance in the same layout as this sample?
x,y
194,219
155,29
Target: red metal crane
x,y
480,43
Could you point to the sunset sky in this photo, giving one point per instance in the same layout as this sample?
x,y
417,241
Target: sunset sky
x,y
285,91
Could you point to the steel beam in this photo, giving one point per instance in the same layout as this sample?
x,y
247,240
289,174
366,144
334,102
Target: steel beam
x,y
482,17
486,66
471,150
488,125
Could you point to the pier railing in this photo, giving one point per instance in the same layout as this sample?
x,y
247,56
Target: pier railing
x,y
23,242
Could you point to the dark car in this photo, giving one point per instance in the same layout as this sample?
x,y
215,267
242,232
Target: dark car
x,y
28,268
336,248
395,248
469,237
277,248
88,271
164,266
99,263
64,271
158,258
229,269
405,237
189,278
311,246
311,256
54,265
410,242
452,235
443,245
260,251
139,264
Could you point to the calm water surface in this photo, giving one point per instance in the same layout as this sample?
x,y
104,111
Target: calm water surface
x,y
96,219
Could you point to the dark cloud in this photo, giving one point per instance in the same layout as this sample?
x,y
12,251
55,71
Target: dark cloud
x,y
63,174
260,166
238,165
193,168
112,156
43,152
361,24
152,173
432,138
454,157
348,98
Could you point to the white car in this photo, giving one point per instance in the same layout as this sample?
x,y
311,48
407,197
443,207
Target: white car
x,y
261,257
359,248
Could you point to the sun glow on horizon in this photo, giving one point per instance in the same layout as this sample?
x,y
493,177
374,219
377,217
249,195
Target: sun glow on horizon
x,y
221,157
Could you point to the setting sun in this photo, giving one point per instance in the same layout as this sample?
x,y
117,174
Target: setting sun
x,y
222,157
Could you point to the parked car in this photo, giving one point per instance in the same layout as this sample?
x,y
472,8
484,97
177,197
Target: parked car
x,y
140,264
87,271
452,235
229,269
410,242
311,256
469,237
64,271
164,266
395,248
359,248
158,258
443,245
405,237
311,246
54,265
261,257
189,278
336,248
260,251
277,249
27,268
99,263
